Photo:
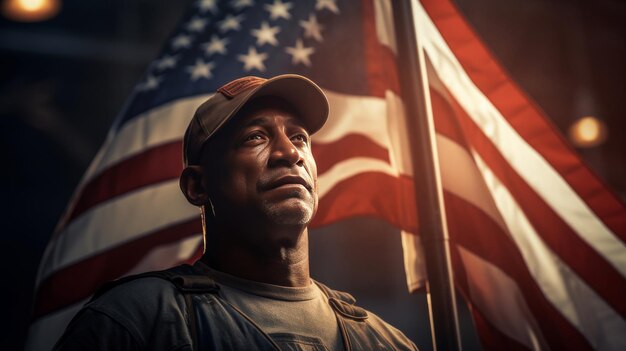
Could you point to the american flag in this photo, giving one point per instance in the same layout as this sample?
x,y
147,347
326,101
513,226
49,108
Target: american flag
x,y
537,240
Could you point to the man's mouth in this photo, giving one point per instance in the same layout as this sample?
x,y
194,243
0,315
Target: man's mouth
x,y
288,181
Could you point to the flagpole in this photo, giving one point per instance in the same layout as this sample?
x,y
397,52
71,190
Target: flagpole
x,y
428,191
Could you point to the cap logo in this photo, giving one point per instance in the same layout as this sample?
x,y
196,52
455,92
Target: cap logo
x,y
235,87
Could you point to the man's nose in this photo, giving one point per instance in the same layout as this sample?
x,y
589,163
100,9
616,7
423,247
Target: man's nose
x,y
284,152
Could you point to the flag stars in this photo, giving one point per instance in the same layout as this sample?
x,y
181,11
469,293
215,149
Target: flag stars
x,y
300,54
312,29
215,46
279,9
230,22
266,34
240,4
181,41
201,70
165,62
253,60
207,5
151,83
197,24
330,5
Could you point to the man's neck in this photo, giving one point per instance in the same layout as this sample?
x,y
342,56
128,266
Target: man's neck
x,y
278,262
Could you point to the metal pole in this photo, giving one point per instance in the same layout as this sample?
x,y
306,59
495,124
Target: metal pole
x,y
427,180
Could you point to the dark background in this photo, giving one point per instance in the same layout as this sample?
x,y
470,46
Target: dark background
x,y
64,80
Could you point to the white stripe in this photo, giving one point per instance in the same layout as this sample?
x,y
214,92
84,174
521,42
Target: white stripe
x,y
414,261
385,31
460,176
535,170
348,168
168,255
159,125
45,331
115,222
598,322
500,300
350,114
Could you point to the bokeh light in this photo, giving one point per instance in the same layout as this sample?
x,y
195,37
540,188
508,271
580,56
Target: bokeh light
x,y
30,10
588,132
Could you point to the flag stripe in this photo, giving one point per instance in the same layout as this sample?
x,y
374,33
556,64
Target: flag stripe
x,y
152,166
101,229
578,254
350,146
104,266
488,286
490,242
562,286
553,230
358,195
378,57
526,161
160,125
523,114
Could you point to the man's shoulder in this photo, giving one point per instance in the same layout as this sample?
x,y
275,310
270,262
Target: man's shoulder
x,y
148,291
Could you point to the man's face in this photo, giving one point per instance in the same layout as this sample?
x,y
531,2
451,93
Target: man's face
x,y
268,170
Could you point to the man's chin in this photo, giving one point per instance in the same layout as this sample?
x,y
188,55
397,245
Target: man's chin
x,y
292,211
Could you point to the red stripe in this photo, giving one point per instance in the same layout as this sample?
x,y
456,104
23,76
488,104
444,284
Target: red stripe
x,y
524,115
370,194
154,165
78,281
163,162
352,145
490,336
475,231
380,62
557,234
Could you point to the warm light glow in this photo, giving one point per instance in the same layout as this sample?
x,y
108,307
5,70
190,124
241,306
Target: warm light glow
x,y
32,5
30,10
587,132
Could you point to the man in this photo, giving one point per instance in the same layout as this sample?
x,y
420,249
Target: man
x,y
250,169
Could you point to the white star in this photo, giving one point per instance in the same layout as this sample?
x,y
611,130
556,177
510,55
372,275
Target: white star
x,y
150,83
181,41
312,29
240,4
165,62
253,60
201,70
327,4
197,24
279,9
230,22
300,54
207,5
266,34
215,46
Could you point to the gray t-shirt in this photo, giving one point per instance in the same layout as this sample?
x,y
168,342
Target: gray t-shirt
x,y
282,312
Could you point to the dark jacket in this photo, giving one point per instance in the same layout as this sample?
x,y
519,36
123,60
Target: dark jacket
x,y
215,324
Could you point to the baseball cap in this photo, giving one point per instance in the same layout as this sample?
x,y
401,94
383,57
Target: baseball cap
x,y
302,93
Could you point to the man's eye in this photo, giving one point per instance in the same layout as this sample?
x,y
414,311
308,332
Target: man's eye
x,y
254,137
300,138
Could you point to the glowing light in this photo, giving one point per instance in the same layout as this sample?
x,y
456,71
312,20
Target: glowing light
x,y
587,132
30,10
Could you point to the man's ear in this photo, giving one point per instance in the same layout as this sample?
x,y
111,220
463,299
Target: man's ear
x,y
193,186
